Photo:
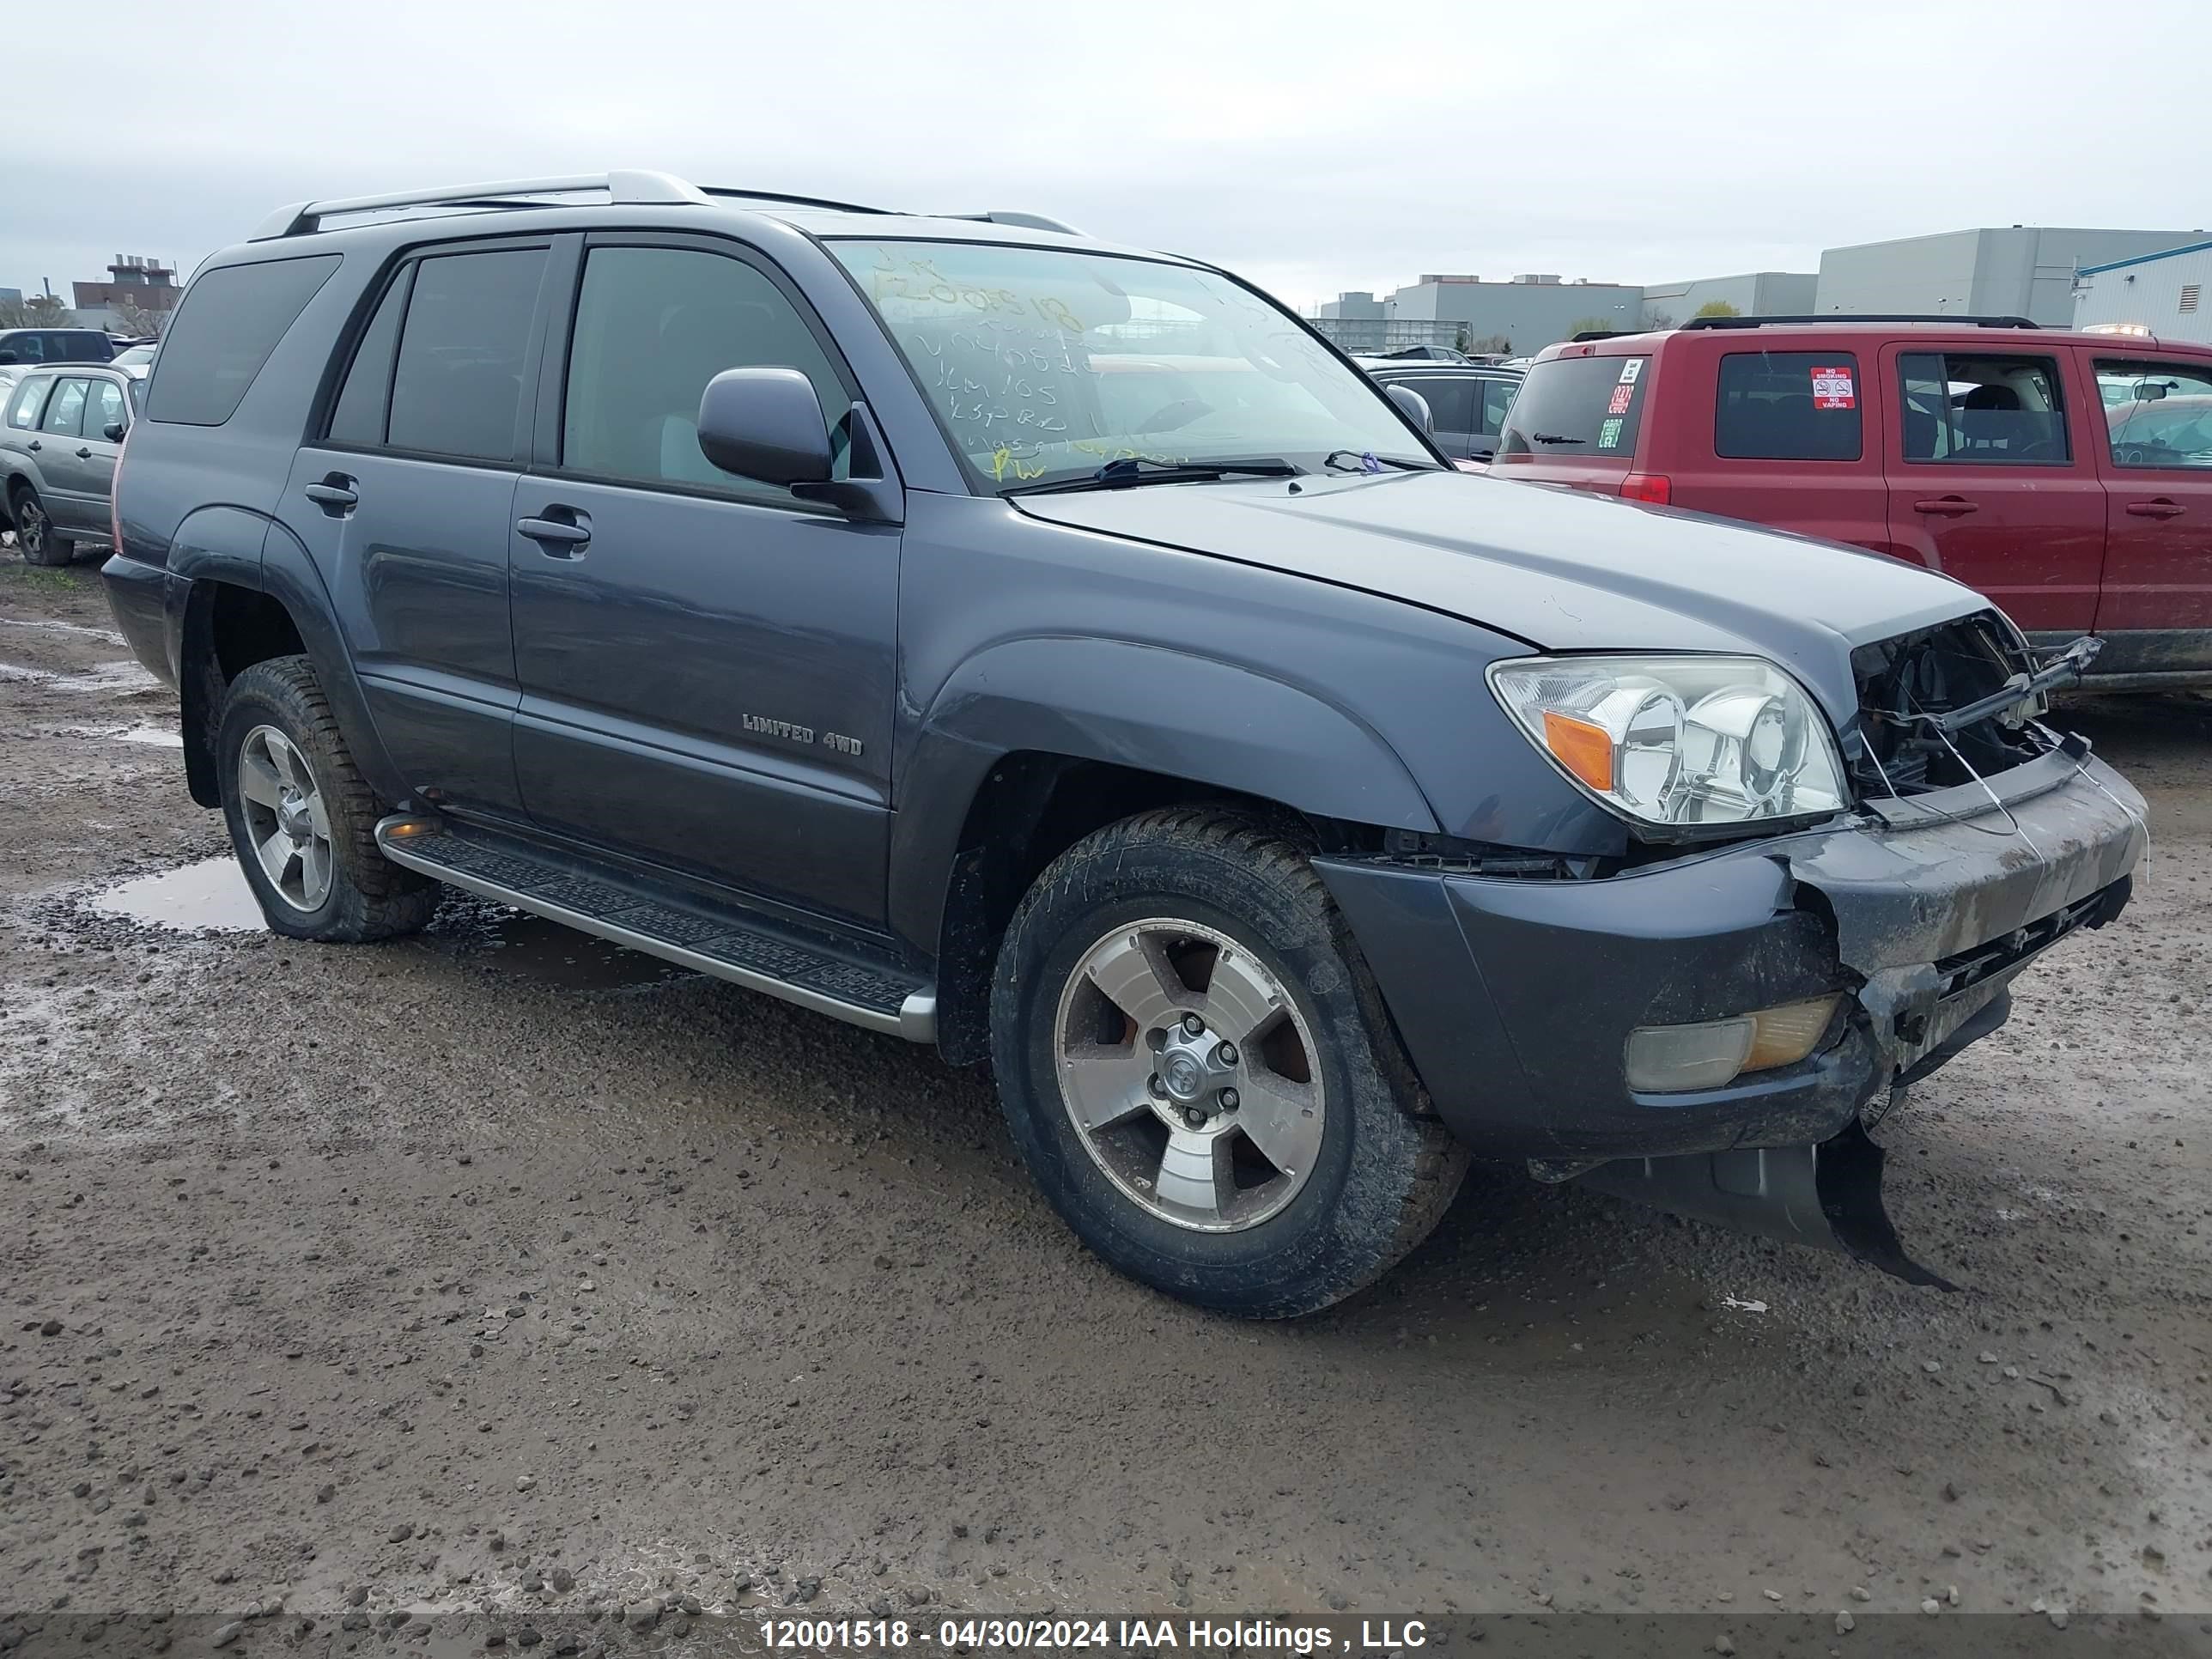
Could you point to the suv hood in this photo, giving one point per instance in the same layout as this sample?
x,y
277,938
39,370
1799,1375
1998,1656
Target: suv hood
x,y
1561,570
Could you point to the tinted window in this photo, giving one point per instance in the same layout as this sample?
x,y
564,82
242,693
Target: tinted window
x,y
1788,406
358,416
1450,398
65,413
24,348
1497,399
2157,415
653,326
78,346
223,332
1982,412
457,388
105,406
1576,408
23,410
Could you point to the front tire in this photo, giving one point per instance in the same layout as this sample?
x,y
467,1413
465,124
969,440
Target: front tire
x,y
35,530
1197,1068
303,820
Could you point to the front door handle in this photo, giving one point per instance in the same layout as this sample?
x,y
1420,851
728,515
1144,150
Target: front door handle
x,y
562,533
2161,508
1947,506
334,493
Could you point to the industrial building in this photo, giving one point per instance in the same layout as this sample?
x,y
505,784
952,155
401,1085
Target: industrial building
x,y
2163,294
139,292
2022,270
2017,270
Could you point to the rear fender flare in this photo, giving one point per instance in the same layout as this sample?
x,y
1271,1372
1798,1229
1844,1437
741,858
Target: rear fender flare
x,y
231,545
1218,725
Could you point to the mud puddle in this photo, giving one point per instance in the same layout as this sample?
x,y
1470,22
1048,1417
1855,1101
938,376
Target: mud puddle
x,y
211,895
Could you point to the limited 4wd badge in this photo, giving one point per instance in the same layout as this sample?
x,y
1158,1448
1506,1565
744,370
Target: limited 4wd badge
x,y
1832,388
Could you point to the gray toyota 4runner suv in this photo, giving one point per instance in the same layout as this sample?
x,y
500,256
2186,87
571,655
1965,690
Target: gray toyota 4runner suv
x,y
1057,653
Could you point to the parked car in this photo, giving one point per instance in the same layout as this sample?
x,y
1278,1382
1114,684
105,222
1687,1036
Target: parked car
x,y
23,349
2028,463
60,433
993,637
1466,401
137,357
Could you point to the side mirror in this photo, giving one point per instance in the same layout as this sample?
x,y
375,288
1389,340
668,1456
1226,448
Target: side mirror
x,y
765,424
1414,406
113,432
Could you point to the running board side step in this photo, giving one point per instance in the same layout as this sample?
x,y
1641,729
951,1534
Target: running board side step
x,y
729,944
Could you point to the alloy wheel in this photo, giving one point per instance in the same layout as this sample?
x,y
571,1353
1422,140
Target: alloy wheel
x,y
285,819
1190,1076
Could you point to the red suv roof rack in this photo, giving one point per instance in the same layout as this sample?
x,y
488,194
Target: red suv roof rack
x,y
1862,317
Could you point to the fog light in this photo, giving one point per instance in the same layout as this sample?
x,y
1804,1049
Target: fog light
x,y
1670,1059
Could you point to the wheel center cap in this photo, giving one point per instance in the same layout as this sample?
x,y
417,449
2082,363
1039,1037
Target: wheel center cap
x,y
1184,1078
292,817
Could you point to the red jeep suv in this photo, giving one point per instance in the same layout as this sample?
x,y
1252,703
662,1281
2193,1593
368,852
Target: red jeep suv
x,y
2067,475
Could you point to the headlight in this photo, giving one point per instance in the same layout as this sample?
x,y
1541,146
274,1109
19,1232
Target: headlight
x,y
1684,741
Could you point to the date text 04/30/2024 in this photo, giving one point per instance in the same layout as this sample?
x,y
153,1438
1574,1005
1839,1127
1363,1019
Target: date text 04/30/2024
x,y
989,1635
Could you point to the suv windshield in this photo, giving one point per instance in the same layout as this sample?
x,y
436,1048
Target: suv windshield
x,y
1046,364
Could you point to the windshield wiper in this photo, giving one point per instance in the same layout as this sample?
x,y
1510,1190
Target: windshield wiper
x,y
1356,460
1129,471
1553,438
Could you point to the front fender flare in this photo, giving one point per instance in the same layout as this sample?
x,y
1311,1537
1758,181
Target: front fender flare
x,y
1216,723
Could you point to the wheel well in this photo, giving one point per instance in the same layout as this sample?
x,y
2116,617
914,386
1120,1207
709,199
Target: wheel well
x,y
1030,808
228,629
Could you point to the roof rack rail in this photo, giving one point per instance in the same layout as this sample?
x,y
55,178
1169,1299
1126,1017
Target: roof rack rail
x,y
735,194
1012,217
1956,321
629,188
1589,334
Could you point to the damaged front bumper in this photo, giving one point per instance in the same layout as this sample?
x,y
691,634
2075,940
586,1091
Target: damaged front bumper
x,y
1516,997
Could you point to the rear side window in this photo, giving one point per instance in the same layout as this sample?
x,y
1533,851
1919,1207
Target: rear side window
x,y
23,411
358,416
1982,412
1788,406
1497,399
79,346
65,414
1576,408
1450,398
457,387
224,333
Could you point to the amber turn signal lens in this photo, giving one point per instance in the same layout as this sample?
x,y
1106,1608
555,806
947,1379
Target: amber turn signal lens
x,y
1784,1036
1583,749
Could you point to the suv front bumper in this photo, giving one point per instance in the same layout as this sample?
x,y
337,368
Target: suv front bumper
x,y
1516,997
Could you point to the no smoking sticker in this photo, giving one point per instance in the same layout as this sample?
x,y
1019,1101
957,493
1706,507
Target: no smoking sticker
x,y
1832,388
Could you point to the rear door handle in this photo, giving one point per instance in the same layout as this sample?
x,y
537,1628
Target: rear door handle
x,y
562,536
334,493
2157,509
1947,506
86,455
34,444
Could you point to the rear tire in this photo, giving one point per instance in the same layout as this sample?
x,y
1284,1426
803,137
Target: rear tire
x,y
303,820
34,530
1267,1177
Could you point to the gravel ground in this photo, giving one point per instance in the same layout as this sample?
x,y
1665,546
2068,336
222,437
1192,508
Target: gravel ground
x,y
499,1270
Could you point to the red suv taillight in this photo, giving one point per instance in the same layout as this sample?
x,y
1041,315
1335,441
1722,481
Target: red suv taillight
x,y
1656,488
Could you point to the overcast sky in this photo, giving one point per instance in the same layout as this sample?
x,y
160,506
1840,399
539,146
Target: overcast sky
x,y
1314,149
